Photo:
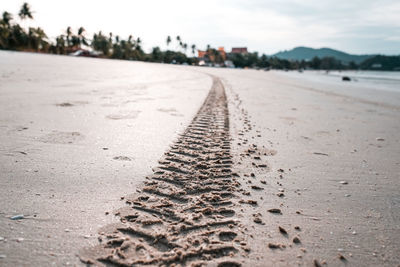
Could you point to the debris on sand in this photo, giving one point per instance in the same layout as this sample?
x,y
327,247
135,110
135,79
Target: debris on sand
x,y
255,187
276,246
343,182
316,263
296,240
320,154
257,220
280,194
380,139
341,257
250,201
65,104
124,158
282,230
18,217
276,211
297,228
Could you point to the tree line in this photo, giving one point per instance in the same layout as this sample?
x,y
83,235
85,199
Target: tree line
x,y
33,39
15,37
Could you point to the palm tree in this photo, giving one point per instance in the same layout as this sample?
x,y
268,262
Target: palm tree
x,y
37,39
138,43
18,38
168,40
110,41
5,30
25,12
178,39
117,51
81,36
75,41
69,33
41,37
7,17
101,43
193,49
60,44
185,46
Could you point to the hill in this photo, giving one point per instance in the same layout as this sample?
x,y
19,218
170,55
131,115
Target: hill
x,y
307,53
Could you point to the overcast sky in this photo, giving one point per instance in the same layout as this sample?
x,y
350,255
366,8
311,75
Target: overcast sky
x,y
266,26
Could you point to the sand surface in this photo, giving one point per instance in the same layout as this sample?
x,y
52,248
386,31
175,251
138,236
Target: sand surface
x,y
294,171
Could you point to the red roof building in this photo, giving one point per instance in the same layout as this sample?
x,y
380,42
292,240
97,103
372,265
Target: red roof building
x,y
201,54
239,50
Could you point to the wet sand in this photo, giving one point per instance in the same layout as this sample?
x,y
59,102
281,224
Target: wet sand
x,y
269,169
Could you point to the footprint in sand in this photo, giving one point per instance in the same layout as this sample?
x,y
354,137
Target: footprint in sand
x,y
170,111
123,158
71,104
124,116
57,137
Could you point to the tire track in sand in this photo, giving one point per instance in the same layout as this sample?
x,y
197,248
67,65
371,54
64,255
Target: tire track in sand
x,y
185,213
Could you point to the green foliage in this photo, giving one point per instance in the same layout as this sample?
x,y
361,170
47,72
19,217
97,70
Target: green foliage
x,y
15,37
381,63
25,12
168,40
101,43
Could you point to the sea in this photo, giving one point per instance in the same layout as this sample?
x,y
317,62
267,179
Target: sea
x,y
376,80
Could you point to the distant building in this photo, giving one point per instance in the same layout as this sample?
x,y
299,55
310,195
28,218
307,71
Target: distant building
x,y
218,57
201,54
239,50
213,56
221,50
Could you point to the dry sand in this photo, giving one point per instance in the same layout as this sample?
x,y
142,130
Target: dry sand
x,y
273,169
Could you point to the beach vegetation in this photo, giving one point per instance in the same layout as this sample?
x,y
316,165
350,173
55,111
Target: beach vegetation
x,y
14,36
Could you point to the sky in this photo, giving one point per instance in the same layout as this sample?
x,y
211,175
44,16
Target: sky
x,y
266,26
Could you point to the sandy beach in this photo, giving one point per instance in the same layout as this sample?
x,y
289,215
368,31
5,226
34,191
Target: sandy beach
x,y
119,162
